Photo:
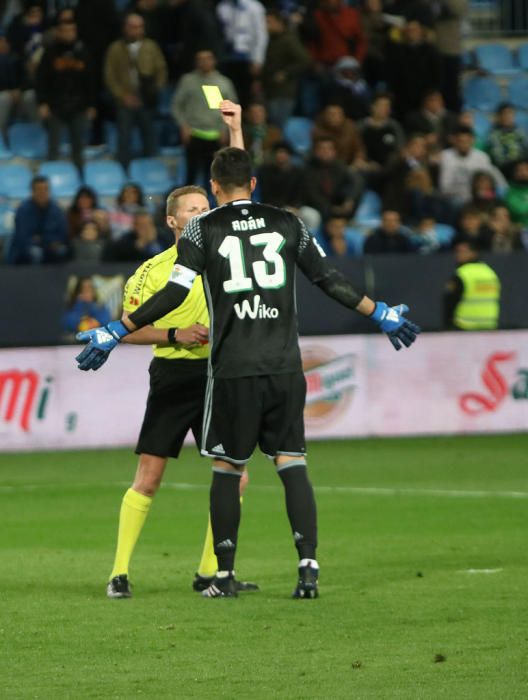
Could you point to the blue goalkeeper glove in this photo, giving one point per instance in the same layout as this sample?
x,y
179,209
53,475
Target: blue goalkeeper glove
x,y
391,321
101,341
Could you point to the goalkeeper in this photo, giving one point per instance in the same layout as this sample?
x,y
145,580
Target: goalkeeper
x,y
177,381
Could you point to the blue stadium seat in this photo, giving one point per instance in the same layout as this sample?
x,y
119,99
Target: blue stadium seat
x,y
368,212
168,136
521,120
309,100
7,220
355,239
15,180
522,56
110,137
106,177
64,178
298,133
181,170
518,92
165,101
496,59
482,123
151,174
445,234
482,93
5,153
28,140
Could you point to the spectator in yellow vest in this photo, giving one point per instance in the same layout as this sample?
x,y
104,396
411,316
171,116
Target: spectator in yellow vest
x,y
472,295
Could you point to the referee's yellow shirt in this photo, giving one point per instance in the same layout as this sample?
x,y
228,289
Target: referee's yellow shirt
x,y
148,279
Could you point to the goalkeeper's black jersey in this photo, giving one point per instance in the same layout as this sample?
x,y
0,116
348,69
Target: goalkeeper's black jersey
x,y
247,255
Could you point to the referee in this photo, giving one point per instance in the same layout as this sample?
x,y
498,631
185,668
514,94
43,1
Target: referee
x,y
177,380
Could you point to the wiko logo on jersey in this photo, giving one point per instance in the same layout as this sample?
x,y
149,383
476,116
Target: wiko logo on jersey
x,y
255,310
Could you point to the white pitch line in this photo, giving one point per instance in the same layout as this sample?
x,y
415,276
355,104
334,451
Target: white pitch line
x,y
352,490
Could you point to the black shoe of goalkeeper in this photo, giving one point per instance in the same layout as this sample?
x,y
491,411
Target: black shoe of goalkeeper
x,y
308,583
225,587
200,584
119,587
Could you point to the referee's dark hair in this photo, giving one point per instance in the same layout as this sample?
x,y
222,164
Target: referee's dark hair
x,y
231,169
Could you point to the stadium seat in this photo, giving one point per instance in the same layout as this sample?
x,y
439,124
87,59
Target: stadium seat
x,y
151,174
64,178
522,56
309,100
5,153
482,93
521,120
496,59
355,239
106,177
7,220
15,180
298,133
168,136
165,101
110,137
181,170
482,123
445,234
518,92
368,212
28,140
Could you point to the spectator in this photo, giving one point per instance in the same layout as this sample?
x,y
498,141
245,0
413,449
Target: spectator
x,y
390,237
153,16
471,227
484,193
432,118
41,232
339,33
259,135
336,243
329,186
190,27
506,144
286,61
245,38
382,140
448,28
8,10
135,72
139,244
65,86
25,35
84,311
14,98
376,27
89,243
412,10
425,237
333,124
506,236
345,86
202,129
517,194
129,201
409,189
458,165
280,183
85,207
466,118
413,68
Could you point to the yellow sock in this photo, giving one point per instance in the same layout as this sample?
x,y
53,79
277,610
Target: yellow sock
x,y
134,511
208,564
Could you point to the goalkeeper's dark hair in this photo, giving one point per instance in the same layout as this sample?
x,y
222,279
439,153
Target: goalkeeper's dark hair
x,y
231,169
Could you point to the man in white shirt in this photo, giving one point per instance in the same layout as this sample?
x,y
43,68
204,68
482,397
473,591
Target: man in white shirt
x,y
458,165
245,37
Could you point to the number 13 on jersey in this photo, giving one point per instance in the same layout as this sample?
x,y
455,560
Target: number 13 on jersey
x,y
269,273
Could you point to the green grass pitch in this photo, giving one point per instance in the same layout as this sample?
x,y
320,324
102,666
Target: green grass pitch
x,y
424,579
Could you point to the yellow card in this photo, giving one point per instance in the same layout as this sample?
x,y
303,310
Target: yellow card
x,y
213,96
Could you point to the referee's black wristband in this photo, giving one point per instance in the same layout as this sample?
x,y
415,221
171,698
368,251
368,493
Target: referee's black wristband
x,y
171,334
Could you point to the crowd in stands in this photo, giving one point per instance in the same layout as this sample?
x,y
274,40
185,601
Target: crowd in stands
x,y
352,115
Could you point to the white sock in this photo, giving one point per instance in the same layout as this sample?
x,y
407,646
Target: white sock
x,y
309,562
224,574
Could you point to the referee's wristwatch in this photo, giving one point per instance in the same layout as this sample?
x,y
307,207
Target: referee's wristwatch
x,y
171,334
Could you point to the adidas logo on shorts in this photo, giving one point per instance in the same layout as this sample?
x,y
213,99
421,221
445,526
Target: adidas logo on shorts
x,y
219,448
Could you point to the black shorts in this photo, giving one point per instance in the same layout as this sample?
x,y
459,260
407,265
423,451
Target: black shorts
x,y
174,406
244,412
